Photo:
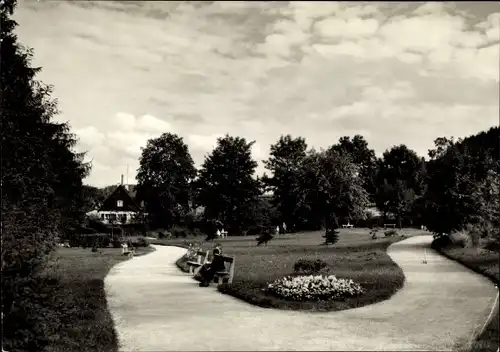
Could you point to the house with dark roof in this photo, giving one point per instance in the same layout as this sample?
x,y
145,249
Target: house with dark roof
x,y
119,207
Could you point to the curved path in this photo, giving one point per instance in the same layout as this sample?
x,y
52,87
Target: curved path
x,y
156,307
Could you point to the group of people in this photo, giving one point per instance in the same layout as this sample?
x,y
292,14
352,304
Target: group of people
x,y
281,230
208,270
221,233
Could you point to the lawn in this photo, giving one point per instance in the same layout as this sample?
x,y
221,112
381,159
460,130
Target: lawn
x,y
64,307
354,256
484,262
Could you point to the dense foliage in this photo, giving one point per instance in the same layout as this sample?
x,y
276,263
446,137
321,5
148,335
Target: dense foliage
x,y
42,190
163,180
226,186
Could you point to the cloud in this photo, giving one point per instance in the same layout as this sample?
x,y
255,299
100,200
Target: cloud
x,y
397,73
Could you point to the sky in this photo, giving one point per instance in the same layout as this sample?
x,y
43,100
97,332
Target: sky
x,y
396,73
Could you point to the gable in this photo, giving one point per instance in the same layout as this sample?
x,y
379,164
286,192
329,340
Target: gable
x,y
118,197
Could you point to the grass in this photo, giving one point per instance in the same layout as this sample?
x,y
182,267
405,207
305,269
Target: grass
x,y
64,308
483,262
354,256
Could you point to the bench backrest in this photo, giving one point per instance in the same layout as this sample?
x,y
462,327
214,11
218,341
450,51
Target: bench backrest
x,y
231,261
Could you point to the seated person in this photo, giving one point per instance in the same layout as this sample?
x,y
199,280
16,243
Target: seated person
x,y
208,271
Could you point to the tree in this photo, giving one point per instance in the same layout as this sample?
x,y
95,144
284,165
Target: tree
x,y
359,153
400,182
163,180
42,191
462,184
284,161
331,236
226,187
331,189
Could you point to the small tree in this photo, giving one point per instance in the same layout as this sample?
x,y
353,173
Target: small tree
x,y
265,237
331,236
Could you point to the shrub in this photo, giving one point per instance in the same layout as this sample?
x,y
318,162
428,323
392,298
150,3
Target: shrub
x,y
390,233
178,231
331,236
314,288
441,241
460,239
264,238
309,266
141,242
164,235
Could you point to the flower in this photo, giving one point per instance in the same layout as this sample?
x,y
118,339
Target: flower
x,y
314,287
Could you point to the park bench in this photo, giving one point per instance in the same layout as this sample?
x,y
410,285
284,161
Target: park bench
x,y
128,251
228,274
348,225
201,259
389,225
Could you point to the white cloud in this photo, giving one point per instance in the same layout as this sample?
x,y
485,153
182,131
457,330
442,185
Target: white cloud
x,y
351,28
261,69
204,142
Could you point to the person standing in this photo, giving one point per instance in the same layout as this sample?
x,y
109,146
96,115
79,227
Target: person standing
x,y
284,227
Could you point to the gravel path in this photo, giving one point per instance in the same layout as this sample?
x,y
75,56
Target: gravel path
x,y
156,307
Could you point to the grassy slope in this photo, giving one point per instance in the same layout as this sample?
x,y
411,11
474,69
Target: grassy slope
x,y
355,256
64,307
487,263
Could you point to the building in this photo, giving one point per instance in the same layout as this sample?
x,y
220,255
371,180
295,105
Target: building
x,y
118,208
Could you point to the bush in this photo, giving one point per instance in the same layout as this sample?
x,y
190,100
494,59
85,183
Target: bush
x,y
441,241
264,238
164,235
331,236
390,233
178,231
460,239
141,242
304,288
309,266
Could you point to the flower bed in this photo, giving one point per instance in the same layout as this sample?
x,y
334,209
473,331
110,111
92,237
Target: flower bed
x,y
314,288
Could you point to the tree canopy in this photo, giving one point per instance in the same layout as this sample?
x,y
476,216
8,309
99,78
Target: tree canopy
x,y
163,179
42,190
226,186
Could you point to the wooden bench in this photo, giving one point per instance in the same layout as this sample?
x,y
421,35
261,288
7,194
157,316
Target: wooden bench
x,y
201,259
227,275
389,225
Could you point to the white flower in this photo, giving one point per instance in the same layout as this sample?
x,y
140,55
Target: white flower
x,y
314,287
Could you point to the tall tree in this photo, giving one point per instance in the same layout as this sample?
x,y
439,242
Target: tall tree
x,y
400,182
331,189
357,149
226,187
163,179
462,183
284,162
41,178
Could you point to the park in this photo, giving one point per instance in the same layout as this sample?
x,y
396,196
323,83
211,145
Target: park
x,y
288,229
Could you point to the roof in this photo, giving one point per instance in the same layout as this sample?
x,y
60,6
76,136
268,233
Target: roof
x,y
120,193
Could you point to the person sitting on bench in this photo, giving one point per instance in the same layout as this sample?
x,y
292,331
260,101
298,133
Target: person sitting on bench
x,y
208,271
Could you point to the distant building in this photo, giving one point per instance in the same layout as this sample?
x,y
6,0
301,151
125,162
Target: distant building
x,y
118,208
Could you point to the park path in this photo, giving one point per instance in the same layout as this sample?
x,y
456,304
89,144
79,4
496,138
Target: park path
x,y
156,307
